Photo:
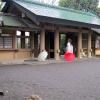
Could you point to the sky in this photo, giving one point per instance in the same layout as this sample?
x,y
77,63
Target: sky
x,y
49,1
56,3
99,4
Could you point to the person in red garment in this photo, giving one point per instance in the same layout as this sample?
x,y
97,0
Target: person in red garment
x,y
69,55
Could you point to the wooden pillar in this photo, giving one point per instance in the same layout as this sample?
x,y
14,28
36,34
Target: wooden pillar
x,y
22,39
79,43
14,43
89,44
36,45
42,40
32,43
56,45
14,40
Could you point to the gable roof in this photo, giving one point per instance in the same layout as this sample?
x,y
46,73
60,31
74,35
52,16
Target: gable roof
x,y
9,20
12,21
2,4
53,12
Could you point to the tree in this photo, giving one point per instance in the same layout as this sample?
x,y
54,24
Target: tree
x,y
87,5
98,11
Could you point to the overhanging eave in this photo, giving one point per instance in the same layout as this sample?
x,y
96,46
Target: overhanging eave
x,y
57,21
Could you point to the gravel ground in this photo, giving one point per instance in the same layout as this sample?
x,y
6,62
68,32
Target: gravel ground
x,y
62,81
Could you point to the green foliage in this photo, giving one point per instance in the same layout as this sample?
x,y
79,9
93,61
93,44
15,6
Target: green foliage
x,y
98,10
86,5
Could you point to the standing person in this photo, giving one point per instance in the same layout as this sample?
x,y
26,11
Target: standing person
x,y
69,56
69,47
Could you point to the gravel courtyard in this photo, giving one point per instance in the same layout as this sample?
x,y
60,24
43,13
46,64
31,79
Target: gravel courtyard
x,y
62,81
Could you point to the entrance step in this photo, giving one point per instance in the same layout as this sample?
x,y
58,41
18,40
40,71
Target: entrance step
x,y
36,62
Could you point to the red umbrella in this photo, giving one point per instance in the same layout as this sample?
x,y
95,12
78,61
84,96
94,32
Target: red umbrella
x,y
69,56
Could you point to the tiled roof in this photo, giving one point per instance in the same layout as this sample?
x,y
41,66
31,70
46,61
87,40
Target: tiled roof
x,y
40,9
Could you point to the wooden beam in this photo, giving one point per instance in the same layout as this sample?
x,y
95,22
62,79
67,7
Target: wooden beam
x,y
50,27
64,29
85,31
17,28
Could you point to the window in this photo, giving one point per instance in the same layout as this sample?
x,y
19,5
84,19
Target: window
x,y
5,42
23,40
27,42
18,42
97,43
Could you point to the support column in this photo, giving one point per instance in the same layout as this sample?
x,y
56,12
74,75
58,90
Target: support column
x,y
14,40
22,39
56,45
14,43
36,45
89,44
79,43
42,40
32,44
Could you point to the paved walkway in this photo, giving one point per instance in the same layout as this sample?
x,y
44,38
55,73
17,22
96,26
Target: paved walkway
x,y
61,81
36,62
53,61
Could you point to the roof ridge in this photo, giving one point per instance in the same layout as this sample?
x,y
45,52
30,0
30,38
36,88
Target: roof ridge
x,y
57,7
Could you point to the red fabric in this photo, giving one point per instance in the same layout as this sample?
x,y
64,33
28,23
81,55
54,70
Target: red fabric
x,y
69,57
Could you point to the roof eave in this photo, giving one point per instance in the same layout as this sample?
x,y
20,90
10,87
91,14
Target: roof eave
x,y
65,22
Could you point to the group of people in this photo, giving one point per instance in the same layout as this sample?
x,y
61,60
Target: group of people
x,y
43,54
